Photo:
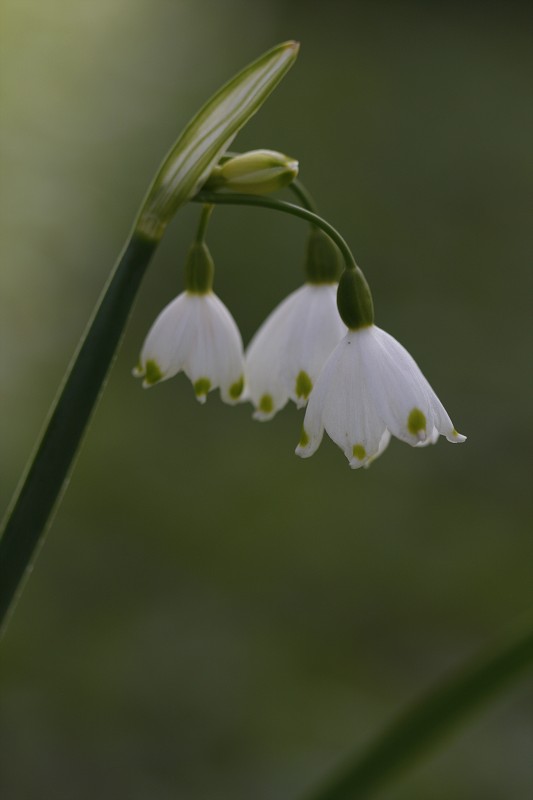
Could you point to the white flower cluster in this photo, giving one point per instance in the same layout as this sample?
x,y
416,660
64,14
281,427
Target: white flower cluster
x,y
197,334
362,385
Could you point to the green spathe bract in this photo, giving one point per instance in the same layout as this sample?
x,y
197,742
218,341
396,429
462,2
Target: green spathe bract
x,y
208,135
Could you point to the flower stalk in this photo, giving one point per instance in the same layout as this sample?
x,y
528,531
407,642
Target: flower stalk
x,y
285,207
42,483
182,173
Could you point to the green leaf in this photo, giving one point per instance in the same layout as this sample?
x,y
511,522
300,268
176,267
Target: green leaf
x,y
208,135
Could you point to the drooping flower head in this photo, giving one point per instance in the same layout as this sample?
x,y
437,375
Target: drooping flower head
x,y
285,356
369,388
195,334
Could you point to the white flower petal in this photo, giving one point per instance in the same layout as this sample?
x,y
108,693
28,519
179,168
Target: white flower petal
x,y
437,420
286,354
341,404
313,427
162,346
399,390
383,444
228,352
262,363
316,329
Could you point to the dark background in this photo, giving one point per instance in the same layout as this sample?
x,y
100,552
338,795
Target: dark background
x,y
212,617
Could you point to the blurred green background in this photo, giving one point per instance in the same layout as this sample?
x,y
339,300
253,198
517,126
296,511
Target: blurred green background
x,y
212,617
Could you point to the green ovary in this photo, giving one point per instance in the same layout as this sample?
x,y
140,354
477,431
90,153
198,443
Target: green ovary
x,y
416,422
202,386
152,373
304,385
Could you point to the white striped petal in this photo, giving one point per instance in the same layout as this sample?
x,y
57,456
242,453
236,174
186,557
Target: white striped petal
x,y
285,356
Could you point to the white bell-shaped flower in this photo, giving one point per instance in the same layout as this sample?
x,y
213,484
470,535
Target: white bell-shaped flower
x,y
369,388
285,356
195,334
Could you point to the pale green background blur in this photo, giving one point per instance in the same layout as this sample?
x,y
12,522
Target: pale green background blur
x,y
212,617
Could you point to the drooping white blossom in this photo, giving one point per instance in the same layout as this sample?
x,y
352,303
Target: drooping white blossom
x,y
285,356
195,334
369,388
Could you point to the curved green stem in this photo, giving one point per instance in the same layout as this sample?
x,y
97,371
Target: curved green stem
x,y
428,720
204,222
286,208
48,470
303,195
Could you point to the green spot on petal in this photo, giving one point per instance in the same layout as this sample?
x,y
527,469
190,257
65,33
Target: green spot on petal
x,y
304,385
359,451
235,390
266,404
416,422
153,372
304,438
201,387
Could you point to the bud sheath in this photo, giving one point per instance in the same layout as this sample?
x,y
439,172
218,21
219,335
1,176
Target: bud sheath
x,y
207,137
257,172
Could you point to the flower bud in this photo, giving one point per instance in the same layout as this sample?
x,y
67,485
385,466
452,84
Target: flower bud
x,y
256,172
208,135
